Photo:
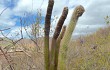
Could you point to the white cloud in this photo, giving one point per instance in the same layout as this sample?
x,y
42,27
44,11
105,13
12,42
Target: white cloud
x,y
94,15
30,6
95,11
5,18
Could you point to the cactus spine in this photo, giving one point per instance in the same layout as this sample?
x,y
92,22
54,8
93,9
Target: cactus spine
x,y
79,10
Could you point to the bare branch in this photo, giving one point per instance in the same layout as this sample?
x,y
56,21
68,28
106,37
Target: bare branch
x,y
21,28
6,58
5,29
3,11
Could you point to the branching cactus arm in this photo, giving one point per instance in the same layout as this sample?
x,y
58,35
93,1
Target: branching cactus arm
x,y
46,31
58,46
79,10
55,36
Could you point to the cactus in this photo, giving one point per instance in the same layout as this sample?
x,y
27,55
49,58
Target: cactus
x,y
79,10
55,36
58,46
46,37
51,58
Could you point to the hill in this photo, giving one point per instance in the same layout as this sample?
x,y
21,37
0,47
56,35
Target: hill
x,y
90,52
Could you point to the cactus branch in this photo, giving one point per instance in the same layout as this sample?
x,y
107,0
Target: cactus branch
x,y
58,46
46,31
79,10
55,36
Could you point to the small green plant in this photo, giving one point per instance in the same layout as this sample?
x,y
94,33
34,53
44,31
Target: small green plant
x,y
107,19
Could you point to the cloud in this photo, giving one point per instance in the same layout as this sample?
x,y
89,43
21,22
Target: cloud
x,y
93,17
5,18
30,6
91,20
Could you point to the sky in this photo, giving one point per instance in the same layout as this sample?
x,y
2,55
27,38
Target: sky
x,y
89,22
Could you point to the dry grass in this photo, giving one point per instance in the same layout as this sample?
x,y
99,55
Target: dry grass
x,y
91,52
25,57
86,53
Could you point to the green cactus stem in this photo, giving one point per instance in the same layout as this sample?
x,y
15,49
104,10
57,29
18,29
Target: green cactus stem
x,y
58,46
55,36
79,10
46,37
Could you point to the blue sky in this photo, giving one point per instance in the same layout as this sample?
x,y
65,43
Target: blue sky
x,y
92,19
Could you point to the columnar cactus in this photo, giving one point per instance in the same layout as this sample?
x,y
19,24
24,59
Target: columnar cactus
x,y
58,46
51,57
79,10
46,37
55,36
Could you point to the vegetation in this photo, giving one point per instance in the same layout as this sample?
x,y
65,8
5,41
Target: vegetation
x,y
79,10
90,52
59,53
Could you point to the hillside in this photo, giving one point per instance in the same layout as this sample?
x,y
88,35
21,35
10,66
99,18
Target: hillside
x,y
91,52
